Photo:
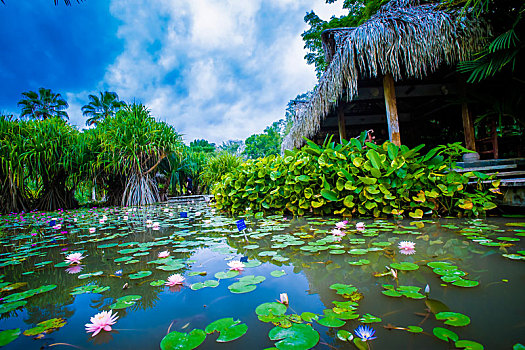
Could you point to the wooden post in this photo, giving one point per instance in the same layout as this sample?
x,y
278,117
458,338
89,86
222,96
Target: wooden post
x,y
391,109
468,127
341,121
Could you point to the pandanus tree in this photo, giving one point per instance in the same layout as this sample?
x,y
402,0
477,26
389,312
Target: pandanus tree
x,y
101,107
53,157
134,144
43,105
13,197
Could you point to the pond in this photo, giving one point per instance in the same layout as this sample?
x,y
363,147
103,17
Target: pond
x,y
335,281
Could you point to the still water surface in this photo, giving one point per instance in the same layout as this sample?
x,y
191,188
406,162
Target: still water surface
x,y
489,251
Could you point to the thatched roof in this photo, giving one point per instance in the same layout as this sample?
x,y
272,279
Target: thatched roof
x,y
406,38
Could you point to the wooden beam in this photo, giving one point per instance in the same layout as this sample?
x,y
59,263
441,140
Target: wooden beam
x,y
391,109
341,121
468,127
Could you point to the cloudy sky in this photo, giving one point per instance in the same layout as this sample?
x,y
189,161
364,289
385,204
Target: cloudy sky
x,y
215,69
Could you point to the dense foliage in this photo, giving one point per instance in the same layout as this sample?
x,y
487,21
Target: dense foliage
x,y
265,144
356,178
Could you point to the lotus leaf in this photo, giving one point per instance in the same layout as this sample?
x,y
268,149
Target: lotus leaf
x,y
228,329
183,341
297,337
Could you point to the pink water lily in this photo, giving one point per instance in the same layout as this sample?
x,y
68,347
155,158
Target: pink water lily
x,y
164,254
360,226
341,225
236,265
283,298
175,279
407,247
337,232
75,269
74,258
92,230
101,321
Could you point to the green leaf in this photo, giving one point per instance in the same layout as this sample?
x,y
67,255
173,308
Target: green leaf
x,y
183,341
239,287
8,336
414,329
228,329
297,337
278,273
367,180
46,326
272,308
374,158
330,195
404,266
361,345
445,334
468,344
344,335
228,274
140,274
453,318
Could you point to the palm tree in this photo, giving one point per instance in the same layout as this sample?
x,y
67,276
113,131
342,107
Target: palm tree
x,y
42,105
100,108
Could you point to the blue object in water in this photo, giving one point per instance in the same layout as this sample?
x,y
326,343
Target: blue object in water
x,y
183,214
52,223
244,259
241,225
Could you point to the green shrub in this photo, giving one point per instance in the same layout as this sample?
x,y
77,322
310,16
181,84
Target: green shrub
x,y
354,179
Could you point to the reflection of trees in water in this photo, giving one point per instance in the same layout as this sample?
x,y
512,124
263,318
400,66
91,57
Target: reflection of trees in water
x,y
38,314
56,303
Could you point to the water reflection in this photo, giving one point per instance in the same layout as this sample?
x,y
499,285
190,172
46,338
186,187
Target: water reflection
x,y
312,259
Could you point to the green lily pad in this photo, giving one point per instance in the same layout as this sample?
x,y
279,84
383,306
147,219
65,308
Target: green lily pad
x,y
11,306
297,337
331,322
344,335
445,334
228,274
271,308
252,263
252,279
46,326
228,328
414,329
368,318
453,318
140,274
183,341
157,283
468,344
465,283
8,336
308,316
278,273
405,266
239,287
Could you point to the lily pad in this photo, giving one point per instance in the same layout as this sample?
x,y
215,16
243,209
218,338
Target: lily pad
x,y
465,283
297,337
468,344
228,274
414,329
228,328
239,287
405,266
183,341
445,334
46,326
368,318
278,273
453,318
271,308
8,336
140,274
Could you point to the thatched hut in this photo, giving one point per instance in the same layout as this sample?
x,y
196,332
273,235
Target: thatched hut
x,y
402,57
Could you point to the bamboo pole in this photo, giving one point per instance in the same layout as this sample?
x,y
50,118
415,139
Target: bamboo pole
x,y
391,109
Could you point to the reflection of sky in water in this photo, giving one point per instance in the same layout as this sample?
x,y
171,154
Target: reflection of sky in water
x,y
494,306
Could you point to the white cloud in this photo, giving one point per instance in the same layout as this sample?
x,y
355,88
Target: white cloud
x,y
217,70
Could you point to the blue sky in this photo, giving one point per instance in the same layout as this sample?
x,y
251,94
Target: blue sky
x,y
215,69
